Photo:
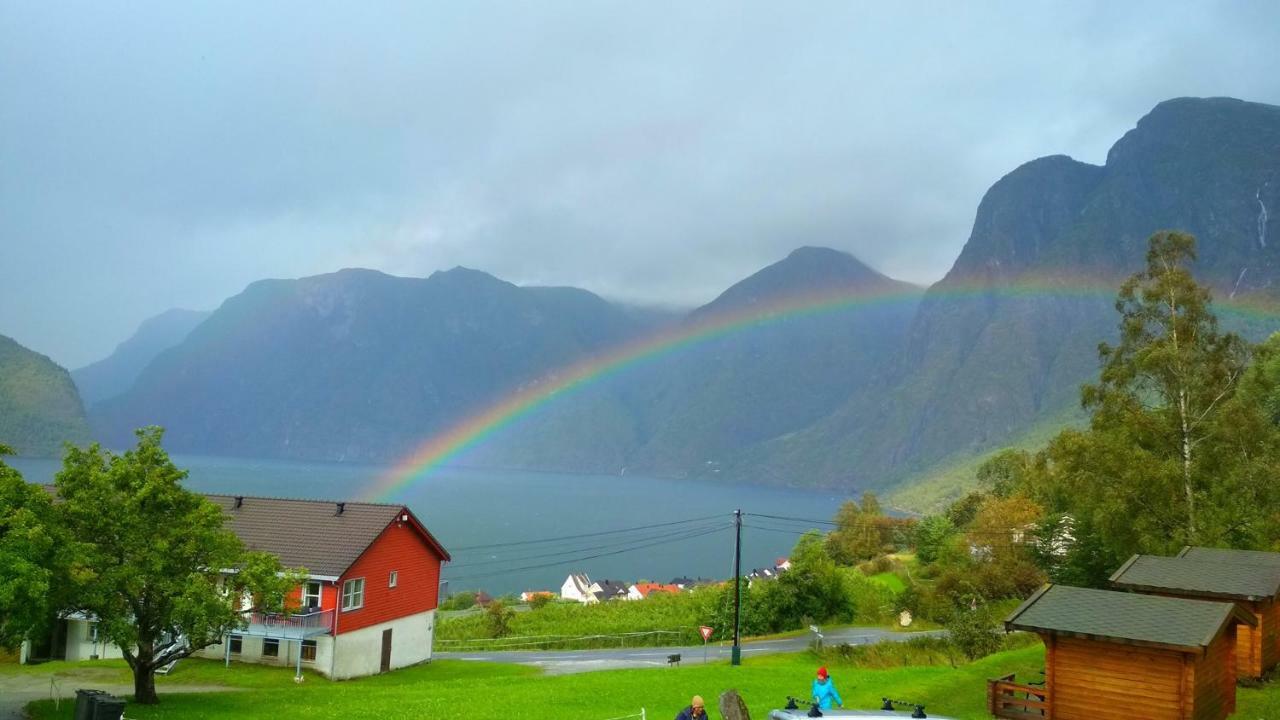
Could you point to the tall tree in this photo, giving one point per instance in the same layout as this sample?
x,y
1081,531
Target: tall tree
x,y
157,557
33,560
1180,448
1172,371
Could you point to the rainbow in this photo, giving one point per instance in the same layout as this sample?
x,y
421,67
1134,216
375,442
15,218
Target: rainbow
x,y
447,445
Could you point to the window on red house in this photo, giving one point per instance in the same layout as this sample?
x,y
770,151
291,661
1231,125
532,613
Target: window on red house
x,y
353,594
391,581
311,595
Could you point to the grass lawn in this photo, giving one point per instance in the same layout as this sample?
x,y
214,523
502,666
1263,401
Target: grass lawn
x,y
462,690
890,580
457,689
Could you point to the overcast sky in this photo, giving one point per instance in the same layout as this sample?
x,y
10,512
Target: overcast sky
x,y
158,155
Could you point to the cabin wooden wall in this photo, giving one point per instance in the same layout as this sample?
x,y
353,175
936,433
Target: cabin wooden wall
x,y
1095,680
1215,677
1268,615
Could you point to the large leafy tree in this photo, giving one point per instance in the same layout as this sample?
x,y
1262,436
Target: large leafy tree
x,y
1176,452
156,558
34,569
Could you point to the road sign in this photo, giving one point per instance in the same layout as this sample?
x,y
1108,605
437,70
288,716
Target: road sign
x,y
706,633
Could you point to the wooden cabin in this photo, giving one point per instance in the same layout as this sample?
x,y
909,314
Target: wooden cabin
x,y
1254,588
1120,655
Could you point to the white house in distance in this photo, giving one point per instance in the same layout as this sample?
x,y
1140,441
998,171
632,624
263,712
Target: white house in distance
x,y
640,591
577,587
367,606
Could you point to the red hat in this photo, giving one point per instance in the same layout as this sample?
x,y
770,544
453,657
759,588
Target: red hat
x,y
822,672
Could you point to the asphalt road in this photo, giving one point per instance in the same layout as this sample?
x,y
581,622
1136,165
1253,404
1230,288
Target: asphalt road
x,y
576,661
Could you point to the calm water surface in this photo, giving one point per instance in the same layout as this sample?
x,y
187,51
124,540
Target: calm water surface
x,y
466,507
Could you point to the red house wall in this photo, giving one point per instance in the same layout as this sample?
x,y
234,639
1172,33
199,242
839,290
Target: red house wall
x,y
401,548
328,596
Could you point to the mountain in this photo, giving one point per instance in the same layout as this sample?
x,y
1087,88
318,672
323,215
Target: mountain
x,y
1006,338
356,365
39,407
772,355
114,374
816,370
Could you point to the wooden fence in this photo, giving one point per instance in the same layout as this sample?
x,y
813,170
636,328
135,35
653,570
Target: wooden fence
x,y
1009,699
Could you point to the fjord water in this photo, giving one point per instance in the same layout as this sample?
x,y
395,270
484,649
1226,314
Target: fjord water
x,y
465,507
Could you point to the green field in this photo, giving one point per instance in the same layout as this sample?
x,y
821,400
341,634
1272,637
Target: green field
x,y
456,689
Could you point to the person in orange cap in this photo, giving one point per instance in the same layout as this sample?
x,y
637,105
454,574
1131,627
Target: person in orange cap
x,y
824,691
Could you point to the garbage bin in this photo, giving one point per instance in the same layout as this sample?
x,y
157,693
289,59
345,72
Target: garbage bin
x,y
107,707
84,703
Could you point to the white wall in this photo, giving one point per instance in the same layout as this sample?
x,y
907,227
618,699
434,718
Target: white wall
x,y
80,644
360,653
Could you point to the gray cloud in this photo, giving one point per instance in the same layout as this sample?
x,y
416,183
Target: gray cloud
x,y
161,155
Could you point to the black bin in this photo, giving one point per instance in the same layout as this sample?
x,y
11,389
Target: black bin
x,y
107,707
84,703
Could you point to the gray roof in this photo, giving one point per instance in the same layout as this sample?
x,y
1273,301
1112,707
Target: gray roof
x,y
1234,557
311,534
1124,617
1198,576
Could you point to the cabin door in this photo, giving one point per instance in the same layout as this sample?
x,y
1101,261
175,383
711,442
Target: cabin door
x,y
386,650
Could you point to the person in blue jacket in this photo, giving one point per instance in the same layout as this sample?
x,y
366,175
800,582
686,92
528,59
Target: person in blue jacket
x,y
824,691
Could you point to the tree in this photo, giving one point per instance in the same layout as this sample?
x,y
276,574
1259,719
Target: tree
x,y
1172,374
34,567
972,628
932,534
497,618
862,531
1181,446
156,557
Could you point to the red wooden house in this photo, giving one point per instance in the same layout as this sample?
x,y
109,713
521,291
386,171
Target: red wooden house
x,y
369,602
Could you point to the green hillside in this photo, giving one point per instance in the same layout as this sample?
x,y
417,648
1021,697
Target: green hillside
x,y
39,407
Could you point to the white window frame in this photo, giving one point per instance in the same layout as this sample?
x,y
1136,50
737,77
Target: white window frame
x,y
306,594
393,579
264,647
355,599
315,648
237,644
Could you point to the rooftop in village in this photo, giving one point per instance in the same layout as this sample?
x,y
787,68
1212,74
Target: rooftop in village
x,y
1199,576
1234,557
1123,617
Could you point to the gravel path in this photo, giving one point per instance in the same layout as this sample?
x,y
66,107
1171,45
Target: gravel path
x,y
16,690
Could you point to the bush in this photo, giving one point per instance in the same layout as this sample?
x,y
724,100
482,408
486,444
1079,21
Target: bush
x,y
459,601
540,601
973,630
497,618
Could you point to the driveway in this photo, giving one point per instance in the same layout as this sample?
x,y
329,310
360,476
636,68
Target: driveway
x,y
559,662
18,689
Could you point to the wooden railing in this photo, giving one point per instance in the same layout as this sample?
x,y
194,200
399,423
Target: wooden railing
x,y
1009,699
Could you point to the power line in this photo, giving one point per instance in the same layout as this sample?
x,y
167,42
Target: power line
x,y
575,550
675,538
585,535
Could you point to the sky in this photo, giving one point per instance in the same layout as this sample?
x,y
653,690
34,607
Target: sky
x,y
157,155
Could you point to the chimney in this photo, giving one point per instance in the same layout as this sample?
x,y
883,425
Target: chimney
x,y
341,507
239,501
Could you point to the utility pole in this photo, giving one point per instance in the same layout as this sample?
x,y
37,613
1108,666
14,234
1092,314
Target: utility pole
x,y
736,657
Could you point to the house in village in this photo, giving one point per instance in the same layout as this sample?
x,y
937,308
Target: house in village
x,y
640,591
605,590
531,595
577,587
367,606
1253,588
782,564
1120,655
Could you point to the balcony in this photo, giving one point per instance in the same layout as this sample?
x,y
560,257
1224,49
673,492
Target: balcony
x,y
1017,701
296,626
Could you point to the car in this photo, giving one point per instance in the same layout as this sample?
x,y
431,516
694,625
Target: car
x,y
794,711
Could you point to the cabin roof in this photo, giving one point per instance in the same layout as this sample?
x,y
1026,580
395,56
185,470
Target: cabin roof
x,y
1123,617
1198,576
1256,558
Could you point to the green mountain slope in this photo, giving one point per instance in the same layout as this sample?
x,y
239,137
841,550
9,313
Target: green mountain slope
x,y
39,407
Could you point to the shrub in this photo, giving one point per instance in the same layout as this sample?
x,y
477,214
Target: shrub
x,y
464,600
497,618
540,601
973,630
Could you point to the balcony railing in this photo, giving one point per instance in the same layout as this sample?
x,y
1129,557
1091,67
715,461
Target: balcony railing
x,y
1009,699
298,625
